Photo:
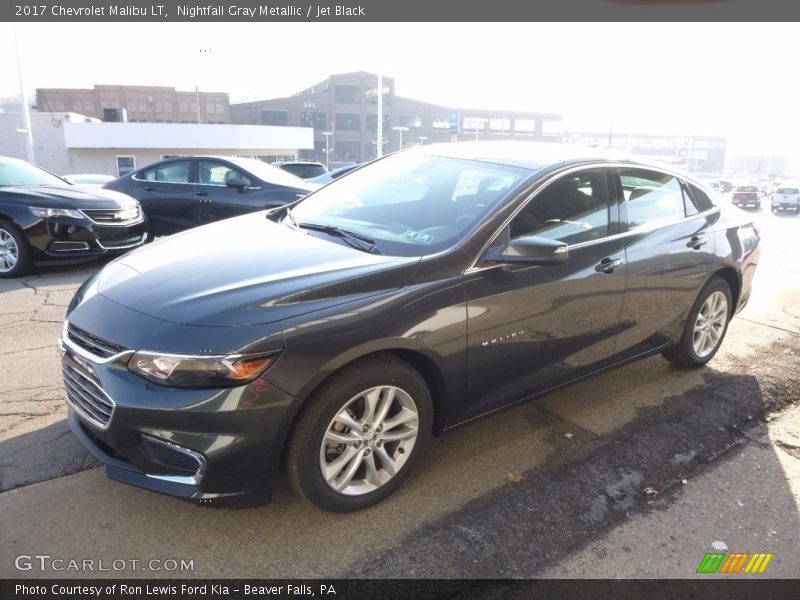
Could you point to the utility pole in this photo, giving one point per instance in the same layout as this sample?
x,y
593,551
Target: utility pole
x,y
26,111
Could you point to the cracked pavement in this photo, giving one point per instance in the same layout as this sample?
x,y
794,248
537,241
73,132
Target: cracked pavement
x,y
584,455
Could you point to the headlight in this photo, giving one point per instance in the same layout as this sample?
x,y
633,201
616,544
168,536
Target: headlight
x,y
199,371
45,213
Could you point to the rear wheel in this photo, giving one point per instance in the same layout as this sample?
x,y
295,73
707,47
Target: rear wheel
x,y
360,435
705,327
15,255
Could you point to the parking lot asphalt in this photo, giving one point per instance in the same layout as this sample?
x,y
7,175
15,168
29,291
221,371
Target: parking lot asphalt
x,y
585,462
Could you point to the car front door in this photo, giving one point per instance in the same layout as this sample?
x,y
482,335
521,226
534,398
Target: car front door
x,y
215,199
166,195
669,252
531,327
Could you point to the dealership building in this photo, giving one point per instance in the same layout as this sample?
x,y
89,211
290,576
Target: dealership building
x,y
346,107
70,143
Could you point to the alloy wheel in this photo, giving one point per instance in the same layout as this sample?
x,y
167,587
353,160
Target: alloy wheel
x,y
369,440
710,324
9,252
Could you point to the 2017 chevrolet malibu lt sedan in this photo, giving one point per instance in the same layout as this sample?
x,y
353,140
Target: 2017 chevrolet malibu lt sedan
x,y
44,218
181,193
424,290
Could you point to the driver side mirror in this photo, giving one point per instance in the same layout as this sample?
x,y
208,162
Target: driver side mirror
x,y
529,250
237,183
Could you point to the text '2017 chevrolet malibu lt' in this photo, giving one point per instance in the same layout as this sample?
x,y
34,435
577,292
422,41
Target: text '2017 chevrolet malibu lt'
x,y
332,338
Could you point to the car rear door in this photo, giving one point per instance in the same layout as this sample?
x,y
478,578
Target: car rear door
x,y
531,327
165,193
669,251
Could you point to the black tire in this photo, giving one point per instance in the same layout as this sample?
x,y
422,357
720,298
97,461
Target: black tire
x,y
304,451
683,354
23,251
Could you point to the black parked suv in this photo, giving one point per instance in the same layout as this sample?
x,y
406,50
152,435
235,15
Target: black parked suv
x,y
428,288
44,218
181,193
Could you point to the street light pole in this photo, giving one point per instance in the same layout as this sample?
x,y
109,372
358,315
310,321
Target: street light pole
x,y
401,129
327,135
26,111
379,144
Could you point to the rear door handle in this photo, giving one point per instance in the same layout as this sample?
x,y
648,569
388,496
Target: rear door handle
x,y
696,242
147,188
201,193
607,265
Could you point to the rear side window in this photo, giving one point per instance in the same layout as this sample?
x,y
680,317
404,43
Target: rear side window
x,y
573,209
651,198
697,200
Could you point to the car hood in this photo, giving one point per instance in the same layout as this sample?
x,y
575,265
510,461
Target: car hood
x,y
246,271
66,197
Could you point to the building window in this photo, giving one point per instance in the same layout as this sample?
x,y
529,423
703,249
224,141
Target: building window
x,y
125,164
348,94
411,122
500,124
274,117
441,123
348,150
372,122
525,126
348,121
313,119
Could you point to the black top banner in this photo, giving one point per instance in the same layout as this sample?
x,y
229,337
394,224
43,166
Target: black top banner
x,y
398,11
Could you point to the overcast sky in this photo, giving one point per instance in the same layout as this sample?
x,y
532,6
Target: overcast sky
x,y
738,80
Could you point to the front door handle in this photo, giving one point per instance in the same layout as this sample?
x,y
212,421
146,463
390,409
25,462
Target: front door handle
x,y
607,265
149,189
696,242
201,193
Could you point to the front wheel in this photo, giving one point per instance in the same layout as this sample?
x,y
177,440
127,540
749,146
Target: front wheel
x,y
15,256
360,435
705,327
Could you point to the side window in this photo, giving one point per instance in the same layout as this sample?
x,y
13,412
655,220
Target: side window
x,y
651,198
211,172
147,175
573,209
697,199
177,172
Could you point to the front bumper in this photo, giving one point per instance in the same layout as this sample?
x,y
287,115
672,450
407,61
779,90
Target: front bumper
x,y
64,238
198,444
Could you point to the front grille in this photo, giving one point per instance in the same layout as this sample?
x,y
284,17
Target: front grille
x,y
171,455
121,242
86,397
114,216
93,344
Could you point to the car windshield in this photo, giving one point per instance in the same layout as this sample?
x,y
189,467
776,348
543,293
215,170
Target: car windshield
x,y
268,173
747,188
411,203
304,170
20,173
788,191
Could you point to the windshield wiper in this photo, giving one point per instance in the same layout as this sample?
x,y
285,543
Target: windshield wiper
x,y
356,240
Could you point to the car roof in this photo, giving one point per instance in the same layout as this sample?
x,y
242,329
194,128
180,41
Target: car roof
x,y
529,155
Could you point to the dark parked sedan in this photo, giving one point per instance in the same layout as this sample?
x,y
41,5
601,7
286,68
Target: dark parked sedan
x,y
181,193
45,218
423,290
